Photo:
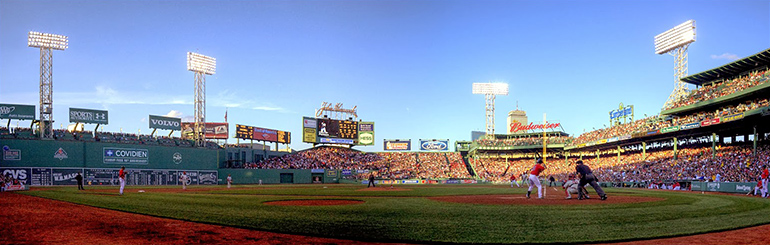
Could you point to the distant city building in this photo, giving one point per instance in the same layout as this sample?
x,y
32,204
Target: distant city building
x,y
516,116
477,134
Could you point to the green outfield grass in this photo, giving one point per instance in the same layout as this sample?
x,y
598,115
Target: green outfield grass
x,y
408,216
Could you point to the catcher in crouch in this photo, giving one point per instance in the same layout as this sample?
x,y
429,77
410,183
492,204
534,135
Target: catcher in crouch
x,y
572,186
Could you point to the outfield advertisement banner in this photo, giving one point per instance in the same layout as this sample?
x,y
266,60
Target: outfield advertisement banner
x,y
366,133
113,155
169,123
212,130
732,117
309,122
336,141
397,145
709,122
19,112
107,176
690,126
669,129
434,145
309,135
78,115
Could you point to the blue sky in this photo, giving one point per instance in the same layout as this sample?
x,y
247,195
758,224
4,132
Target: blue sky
x,y
407,65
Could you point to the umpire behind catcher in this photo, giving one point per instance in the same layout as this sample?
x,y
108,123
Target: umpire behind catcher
x,y
587,177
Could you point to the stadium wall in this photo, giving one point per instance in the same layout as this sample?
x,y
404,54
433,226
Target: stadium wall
x,y
74,154
274,176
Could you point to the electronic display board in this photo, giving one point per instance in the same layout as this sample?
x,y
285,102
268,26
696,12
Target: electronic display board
x,y
331,128
244,132
263,134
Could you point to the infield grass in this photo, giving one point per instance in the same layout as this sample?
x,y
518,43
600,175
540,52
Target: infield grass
x,y
408,216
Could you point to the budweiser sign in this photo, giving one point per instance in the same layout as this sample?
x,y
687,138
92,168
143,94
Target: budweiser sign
x,y
517,126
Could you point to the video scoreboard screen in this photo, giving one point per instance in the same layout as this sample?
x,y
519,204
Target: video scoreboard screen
x,y
326,130
331,128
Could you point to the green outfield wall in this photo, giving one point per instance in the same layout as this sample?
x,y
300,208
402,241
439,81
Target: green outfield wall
x,y
280,176
78,154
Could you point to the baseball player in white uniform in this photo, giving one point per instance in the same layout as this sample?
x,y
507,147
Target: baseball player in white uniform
x,y
229,181
184,179
571,186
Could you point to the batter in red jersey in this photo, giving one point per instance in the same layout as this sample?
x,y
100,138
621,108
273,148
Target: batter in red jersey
x,y
533,178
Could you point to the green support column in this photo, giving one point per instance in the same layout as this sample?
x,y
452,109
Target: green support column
x,y
644,150
676,145
754,152
597,154
713,145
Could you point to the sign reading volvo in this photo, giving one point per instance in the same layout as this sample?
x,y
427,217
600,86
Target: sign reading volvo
x,y
78,115
161,122
434,145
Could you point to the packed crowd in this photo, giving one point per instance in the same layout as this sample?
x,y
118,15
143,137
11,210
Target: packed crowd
x,y
656,122
107,137
731,164
523,141
723,88
397,165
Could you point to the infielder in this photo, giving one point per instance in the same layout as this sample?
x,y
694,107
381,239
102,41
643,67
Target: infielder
x,y
571,186
764,176
184,178
533,179
513,180
229,181
122,178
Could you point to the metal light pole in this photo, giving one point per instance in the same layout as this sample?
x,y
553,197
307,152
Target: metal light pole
x,y
202,65
675,42
490,90
47,43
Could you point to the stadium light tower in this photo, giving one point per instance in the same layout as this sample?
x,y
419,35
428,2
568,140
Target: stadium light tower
x,y
47,43
675,42
490,90
202,65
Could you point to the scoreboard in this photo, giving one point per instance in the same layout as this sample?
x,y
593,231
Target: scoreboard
x,y
348,129
326,130
263,134
341,129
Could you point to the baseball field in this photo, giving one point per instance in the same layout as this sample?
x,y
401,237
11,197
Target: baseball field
x,y
432,213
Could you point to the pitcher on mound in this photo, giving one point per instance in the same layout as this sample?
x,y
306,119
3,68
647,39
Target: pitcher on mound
x,y
533,178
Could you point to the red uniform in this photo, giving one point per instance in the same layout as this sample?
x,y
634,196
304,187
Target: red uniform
x,y
537,169
121,174
765,174
513,177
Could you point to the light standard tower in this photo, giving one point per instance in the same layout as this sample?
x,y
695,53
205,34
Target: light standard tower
x,y
489,90
675,42
47,43
202,65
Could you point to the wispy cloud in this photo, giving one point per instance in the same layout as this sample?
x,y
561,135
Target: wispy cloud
x,y
173,113
267,108
726,56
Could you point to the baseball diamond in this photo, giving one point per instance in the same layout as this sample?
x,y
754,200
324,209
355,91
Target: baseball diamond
x,y
132,148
